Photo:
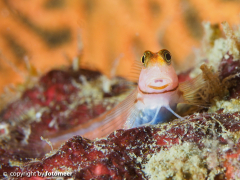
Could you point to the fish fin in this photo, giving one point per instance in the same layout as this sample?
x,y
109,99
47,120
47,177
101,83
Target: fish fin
x,y
204,89
191,91
175,114
131,118
135,71
116,117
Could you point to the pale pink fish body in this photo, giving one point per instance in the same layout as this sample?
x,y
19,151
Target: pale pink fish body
x,y
157,92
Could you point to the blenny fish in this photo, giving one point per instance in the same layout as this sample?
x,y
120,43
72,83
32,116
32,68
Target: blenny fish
x,y
153,101
157,95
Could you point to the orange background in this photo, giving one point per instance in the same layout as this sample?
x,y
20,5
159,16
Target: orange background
x,y
49,32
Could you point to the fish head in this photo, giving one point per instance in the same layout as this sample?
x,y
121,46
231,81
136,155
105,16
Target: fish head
x,y
157,74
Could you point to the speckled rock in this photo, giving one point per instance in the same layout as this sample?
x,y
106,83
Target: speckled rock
x,y
203,145
60,100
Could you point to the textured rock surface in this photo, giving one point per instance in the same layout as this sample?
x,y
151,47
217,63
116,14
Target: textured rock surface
x,y
212,138
203,145
60,101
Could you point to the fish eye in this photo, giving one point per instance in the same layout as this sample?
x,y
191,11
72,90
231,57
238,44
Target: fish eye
x,y
167,56
143,59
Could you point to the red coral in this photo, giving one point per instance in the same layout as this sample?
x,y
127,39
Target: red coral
x,y
123,153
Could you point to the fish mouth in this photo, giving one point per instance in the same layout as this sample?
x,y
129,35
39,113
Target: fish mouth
x,y
159,84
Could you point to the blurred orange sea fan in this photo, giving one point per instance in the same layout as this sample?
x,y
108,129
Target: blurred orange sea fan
x,y
47,32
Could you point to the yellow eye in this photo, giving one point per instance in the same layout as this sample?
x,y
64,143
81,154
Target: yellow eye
x,y
167,56
143,59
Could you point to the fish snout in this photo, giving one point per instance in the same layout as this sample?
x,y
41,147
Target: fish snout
x,y
159,83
